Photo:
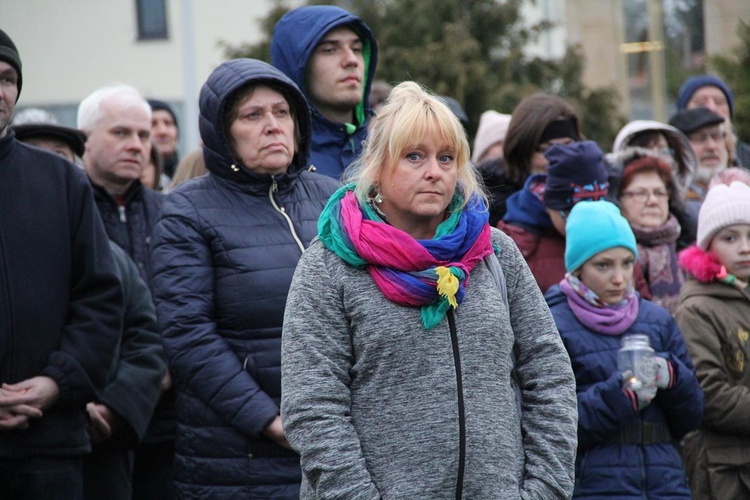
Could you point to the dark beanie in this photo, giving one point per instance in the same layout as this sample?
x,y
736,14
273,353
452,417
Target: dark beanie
x,y
576,172
693,83
9,54
157,105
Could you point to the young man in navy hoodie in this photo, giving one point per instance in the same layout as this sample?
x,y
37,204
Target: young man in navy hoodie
x,y
331,55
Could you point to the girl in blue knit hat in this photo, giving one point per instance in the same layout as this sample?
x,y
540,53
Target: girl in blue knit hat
x,y
627,435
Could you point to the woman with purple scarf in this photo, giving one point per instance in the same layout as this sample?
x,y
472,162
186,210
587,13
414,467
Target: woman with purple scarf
x,y
627,434
419,359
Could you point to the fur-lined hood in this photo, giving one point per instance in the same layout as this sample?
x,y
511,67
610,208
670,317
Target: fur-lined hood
x,y
701,264
706,268
685,161
616,162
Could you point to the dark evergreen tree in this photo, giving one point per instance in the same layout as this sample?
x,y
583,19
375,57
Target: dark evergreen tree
x,y
472,50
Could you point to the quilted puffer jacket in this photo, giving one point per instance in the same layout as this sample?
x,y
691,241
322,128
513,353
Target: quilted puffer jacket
x,y
624,453
223,255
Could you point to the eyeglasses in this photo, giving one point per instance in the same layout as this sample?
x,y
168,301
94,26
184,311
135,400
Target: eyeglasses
x,y
642,195
703,137
666,152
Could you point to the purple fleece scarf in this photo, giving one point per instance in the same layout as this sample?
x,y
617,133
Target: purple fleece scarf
x,y
593,313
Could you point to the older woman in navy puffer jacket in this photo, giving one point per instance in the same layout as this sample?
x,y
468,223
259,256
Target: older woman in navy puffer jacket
x,y
627,440
223,255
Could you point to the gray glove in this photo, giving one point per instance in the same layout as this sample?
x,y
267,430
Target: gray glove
x,y
665,376
640,396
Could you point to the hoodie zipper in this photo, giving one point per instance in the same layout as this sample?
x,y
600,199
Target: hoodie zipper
x,y
273,189
461,409
121,211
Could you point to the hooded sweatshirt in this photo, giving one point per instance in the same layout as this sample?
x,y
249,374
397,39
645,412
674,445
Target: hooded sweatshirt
x,y
334,145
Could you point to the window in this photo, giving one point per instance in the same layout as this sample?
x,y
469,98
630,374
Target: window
x,y
661,51
152,19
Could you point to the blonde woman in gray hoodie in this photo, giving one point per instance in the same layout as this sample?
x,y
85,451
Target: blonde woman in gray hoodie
x,y
419,359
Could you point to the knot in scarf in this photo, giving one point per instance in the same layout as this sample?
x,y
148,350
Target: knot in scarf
x,y
431,274
596,315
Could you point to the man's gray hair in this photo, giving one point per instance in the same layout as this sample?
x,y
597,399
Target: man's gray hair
x,y
89,111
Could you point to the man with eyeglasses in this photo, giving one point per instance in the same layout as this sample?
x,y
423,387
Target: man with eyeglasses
x,y
712,92
706,132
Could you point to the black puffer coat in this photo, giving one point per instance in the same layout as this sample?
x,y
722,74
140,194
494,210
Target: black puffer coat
x,y
223,256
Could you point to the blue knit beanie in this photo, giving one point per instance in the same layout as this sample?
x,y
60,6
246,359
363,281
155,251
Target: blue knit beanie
x,y
593,227
693,83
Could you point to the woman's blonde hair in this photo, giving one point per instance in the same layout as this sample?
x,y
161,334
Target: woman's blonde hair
x,y
410,114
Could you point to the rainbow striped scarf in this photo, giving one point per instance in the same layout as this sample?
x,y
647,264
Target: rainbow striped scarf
x,y
432,274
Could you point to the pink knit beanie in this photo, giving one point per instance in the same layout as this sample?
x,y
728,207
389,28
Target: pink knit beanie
x,y
491,130
724,206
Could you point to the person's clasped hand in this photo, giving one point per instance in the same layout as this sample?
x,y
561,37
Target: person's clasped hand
x,y
26,399
639,395
665,376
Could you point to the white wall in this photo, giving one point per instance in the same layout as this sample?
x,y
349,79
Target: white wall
x,y
69,48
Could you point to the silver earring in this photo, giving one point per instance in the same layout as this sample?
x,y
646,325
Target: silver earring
x,y
378,198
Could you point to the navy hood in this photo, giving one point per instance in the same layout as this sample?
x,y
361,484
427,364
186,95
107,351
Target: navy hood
x,y
525,207
299,31
220,86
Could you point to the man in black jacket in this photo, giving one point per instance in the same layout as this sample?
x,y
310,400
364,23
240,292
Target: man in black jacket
x,y
119,417
117,121
60,309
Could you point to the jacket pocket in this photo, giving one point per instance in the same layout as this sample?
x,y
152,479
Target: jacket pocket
x,y
724,468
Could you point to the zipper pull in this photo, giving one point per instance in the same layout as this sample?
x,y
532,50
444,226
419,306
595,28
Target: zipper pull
x,y
121,210
274,186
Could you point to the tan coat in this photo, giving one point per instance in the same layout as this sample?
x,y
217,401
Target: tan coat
x,y
715,321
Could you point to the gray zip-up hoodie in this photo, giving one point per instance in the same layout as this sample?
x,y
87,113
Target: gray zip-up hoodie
x,y
372,403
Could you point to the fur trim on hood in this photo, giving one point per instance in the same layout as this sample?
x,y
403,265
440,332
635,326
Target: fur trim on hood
x,y
701,264
706,268
686,161
616,162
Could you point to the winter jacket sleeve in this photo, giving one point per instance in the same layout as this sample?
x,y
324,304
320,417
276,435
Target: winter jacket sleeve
x,y
199,357
683,404
603,409
317,358
547,384
89,338
134,387
727,404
